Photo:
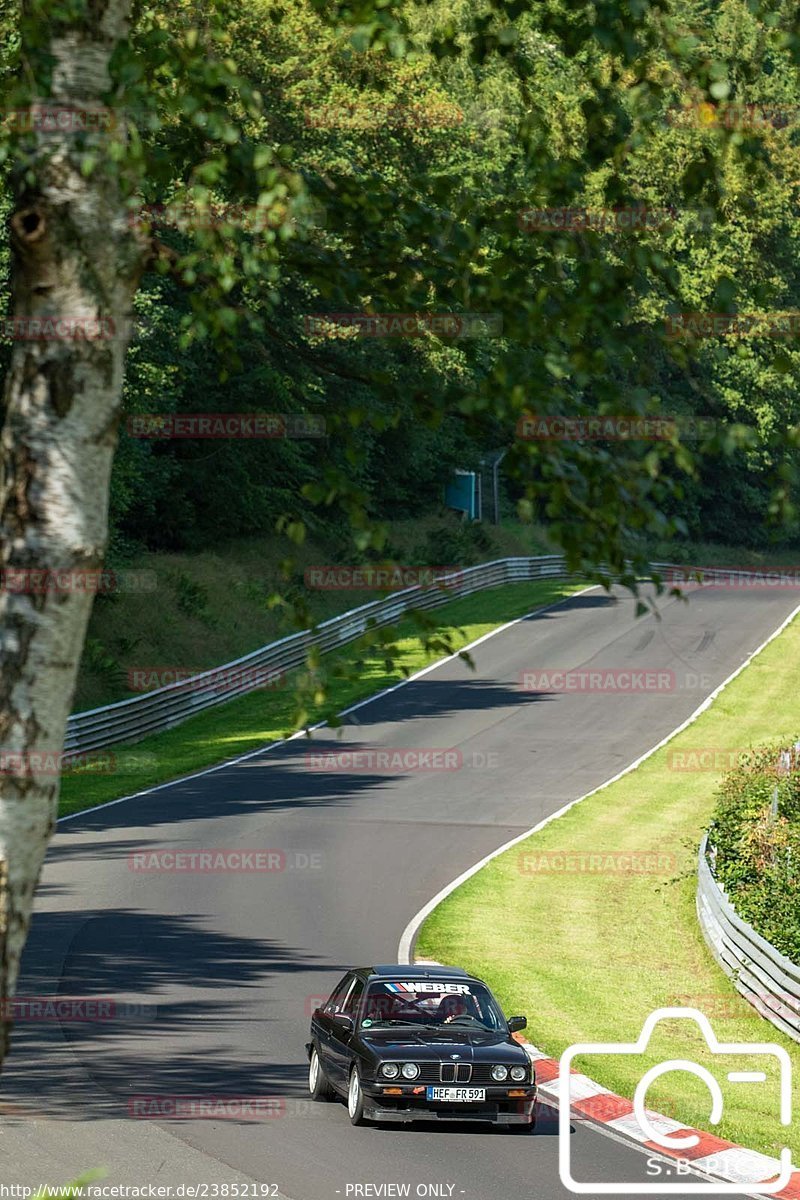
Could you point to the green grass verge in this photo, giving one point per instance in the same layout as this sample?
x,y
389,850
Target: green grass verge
x,y
588,955
254,720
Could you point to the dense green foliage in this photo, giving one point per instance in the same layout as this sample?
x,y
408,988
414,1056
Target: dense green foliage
x,y
391,151
758,851
421,211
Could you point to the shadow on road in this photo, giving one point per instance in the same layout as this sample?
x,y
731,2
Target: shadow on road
x,y
290,775
90,1069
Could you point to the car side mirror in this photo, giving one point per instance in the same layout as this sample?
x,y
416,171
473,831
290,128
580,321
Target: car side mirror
x,y
343,1023
517,1023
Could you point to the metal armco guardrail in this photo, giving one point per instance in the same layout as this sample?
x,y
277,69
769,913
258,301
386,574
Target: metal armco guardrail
x,y
764,976
165,707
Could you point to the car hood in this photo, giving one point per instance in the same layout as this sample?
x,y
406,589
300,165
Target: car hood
x,y
471,1045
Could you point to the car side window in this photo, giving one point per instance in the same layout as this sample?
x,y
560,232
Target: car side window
x,y
337,996
350,1007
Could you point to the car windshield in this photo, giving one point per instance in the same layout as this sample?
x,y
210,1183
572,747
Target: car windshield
x,y
425,1002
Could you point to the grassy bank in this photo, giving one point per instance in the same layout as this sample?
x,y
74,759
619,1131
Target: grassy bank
x,y
209,608
589,952
263,716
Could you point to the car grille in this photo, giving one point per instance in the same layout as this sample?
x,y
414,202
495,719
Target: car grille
x,y
445,1072
428,1072
461,1072
451,1072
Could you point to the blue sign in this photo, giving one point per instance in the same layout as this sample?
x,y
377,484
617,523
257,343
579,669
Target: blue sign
x,y
462,494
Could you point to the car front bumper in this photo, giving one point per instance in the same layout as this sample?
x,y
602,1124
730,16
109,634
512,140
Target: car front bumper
x,y
483,1116
498,1108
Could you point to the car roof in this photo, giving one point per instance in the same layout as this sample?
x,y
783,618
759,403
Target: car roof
x,y
418,971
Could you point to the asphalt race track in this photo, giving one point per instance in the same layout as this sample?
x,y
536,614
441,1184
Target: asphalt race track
x,y
234,961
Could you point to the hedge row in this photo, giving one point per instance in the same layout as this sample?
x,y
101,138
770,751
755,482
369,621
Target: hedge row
x,y
757,849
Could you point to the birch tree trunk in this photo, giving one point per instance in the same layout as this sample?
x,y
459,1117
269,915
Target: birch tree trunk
x,y
74,258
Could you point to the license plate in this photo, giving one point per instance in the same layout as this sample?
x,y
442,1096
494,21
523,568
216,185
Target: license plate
x,y
461,1095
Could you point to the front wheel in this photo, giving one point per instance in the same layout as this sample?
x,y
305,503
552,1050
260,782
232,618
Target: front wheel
x,y
355,1099
318,1085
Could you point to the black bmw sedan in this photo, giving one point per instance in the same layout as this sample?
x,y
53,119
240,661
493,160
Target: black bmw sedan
x,y
420,1043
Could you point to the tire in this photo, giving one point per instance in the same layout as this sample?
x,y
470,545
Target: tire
x,y
355,1099
318,1085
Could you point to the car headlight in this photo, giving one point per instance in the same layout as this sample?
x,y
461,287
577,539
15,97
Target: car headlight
x,y
390,1070
410,1070
519,1073
499,1073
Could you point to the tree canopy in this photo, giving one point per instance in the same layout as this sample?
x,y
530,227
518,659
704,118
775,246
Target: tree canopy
x,y
394,159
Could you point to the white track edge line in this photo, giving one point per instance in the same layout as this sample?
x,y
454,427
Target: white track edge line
x,y
412,928
240,758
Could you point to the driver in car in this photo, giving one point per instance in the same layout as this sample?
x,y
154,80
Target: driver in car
x,y
452,1007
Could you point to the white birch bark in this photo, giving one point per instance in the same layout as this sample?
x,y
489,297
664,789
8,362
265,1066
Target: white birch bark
x,y
73,256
